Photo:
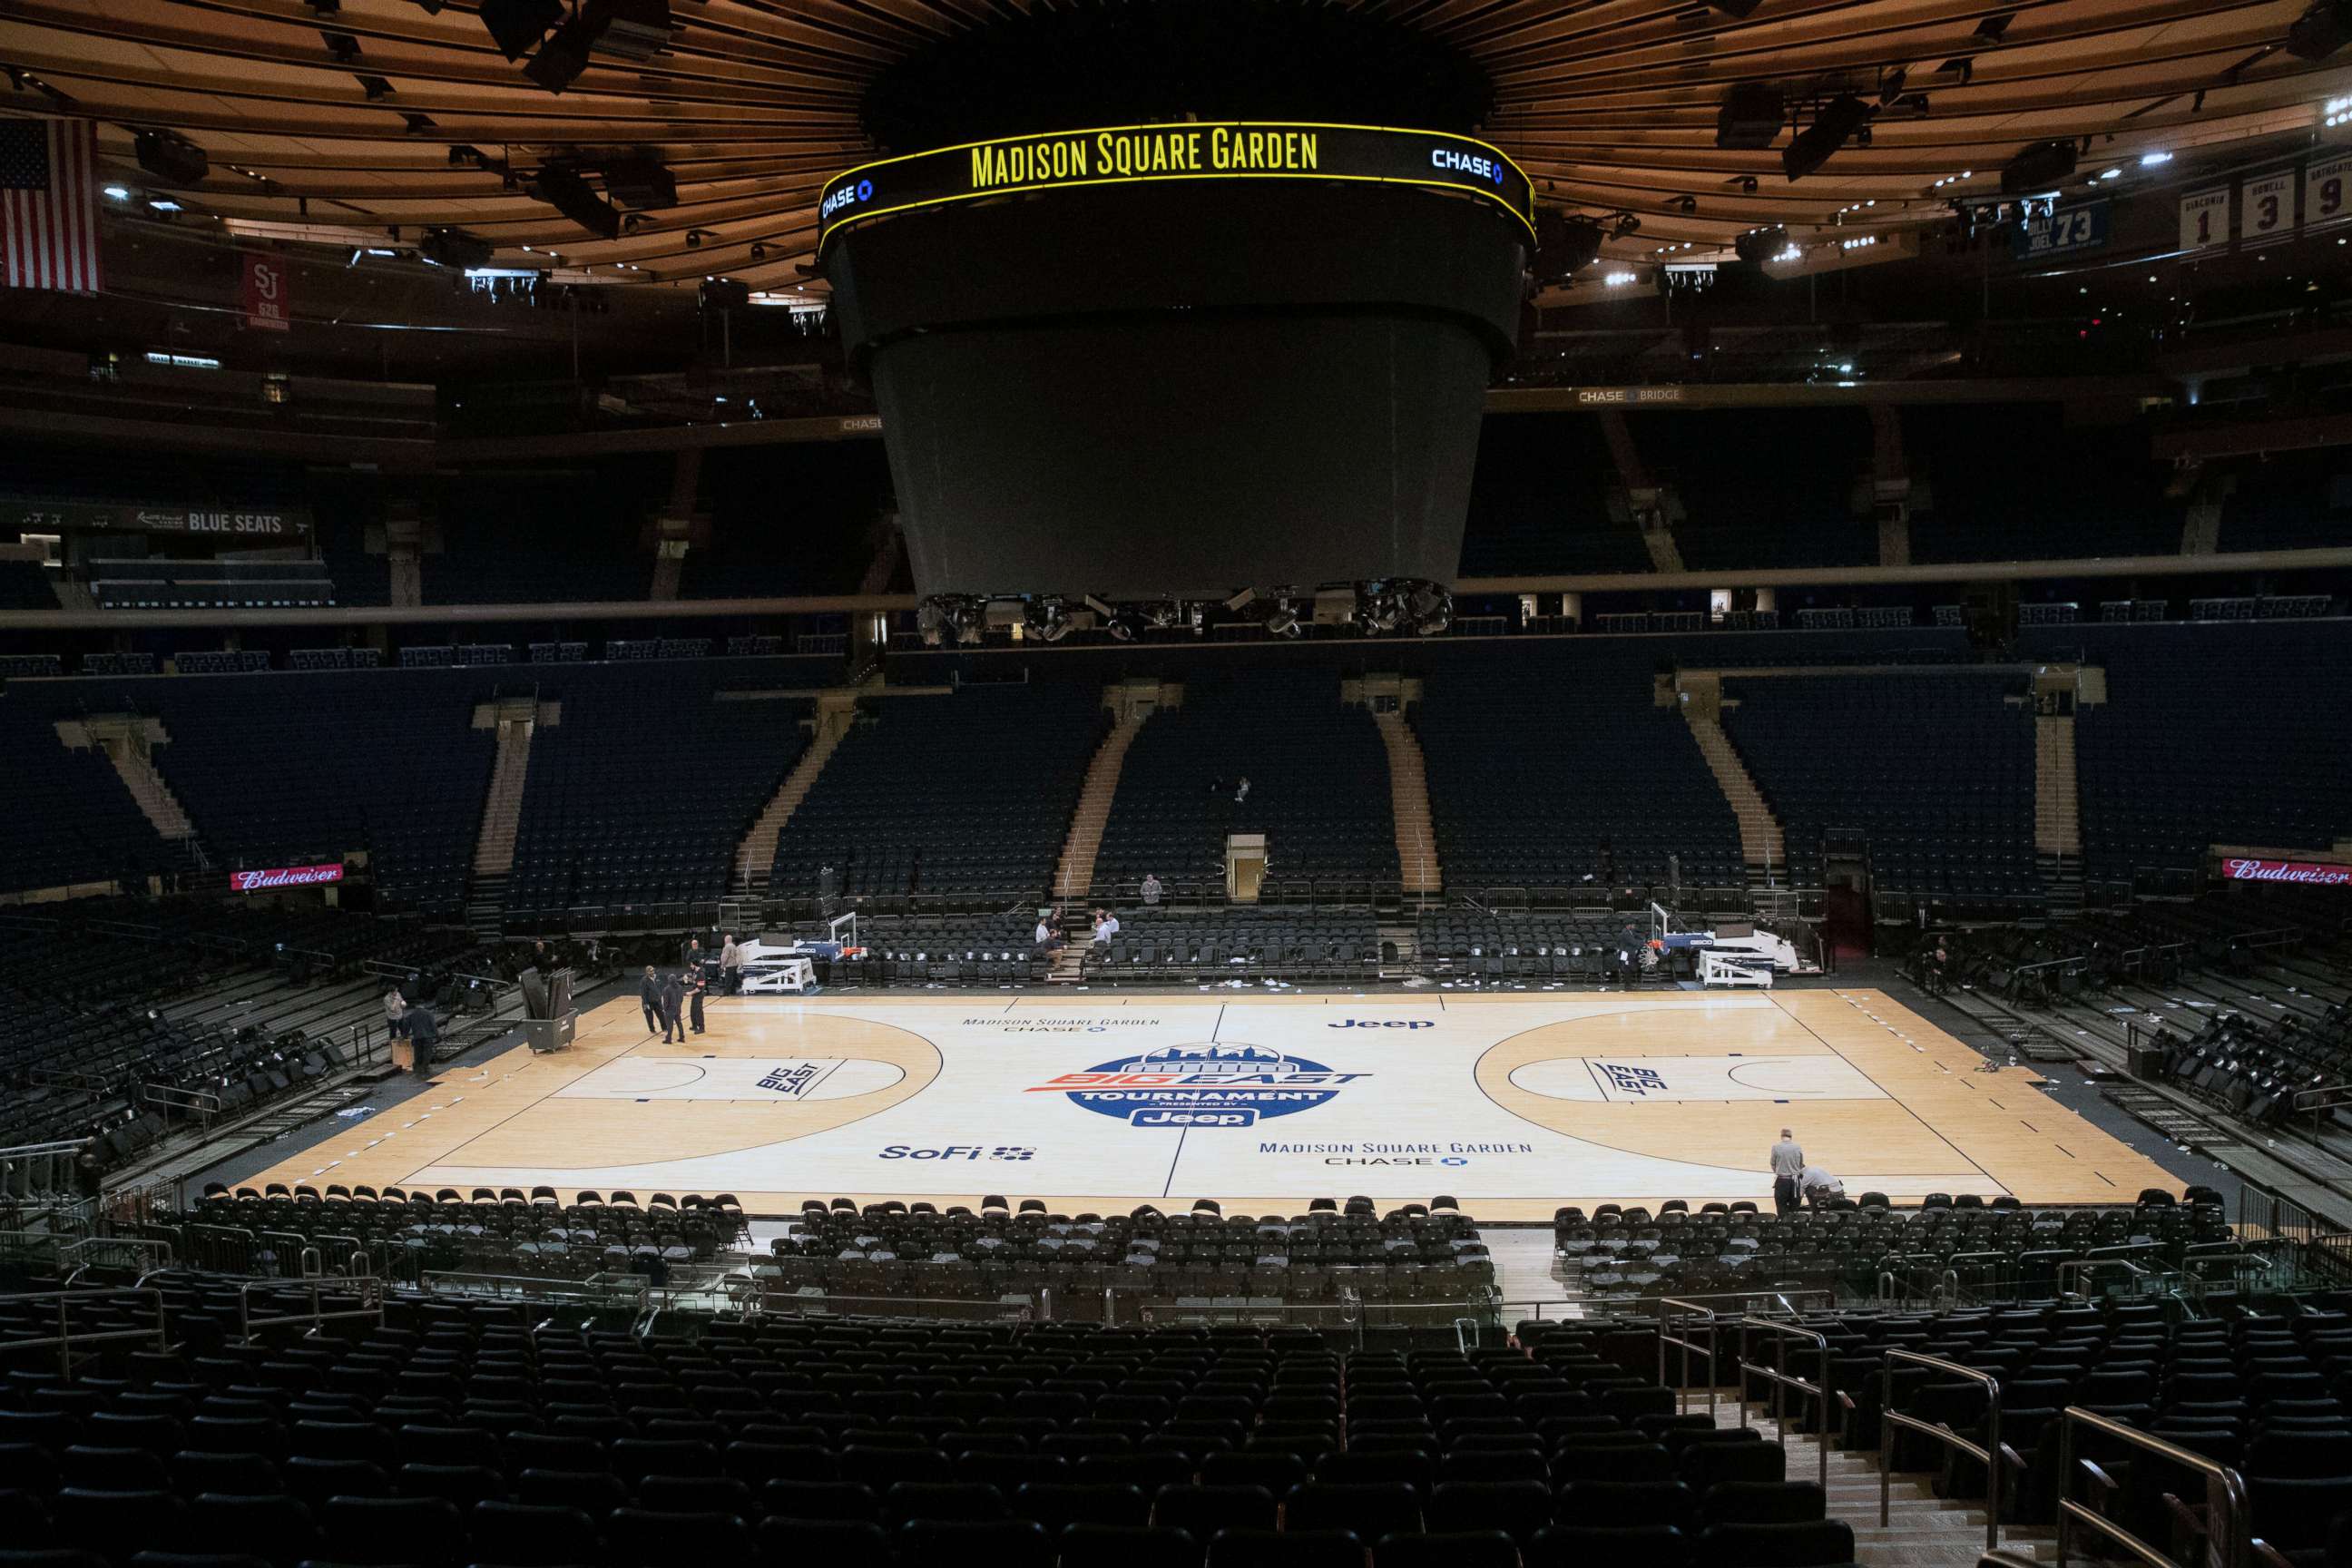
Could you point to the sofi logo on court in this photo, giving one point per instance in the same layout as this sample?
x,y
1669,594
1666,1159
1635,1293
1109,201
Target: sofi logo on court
x,y
959,1152
1201,1086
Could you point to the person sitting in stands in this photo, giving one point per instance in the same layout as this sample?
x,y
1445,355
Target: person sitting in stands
x,y
1106,925
1240,792
1049,935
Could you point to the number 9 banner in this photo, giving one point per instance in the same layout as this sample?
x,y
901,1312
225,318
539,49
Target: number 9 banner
x,y
2323,193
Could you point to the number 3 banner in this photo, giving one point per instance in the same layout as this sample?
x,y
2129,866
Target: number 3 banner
x,y
2323,193
2205,218
2266,208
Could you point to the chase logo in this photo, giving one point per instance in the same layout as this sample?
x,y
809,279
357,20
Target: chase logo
x,y
846,196
1201,1086
1471,163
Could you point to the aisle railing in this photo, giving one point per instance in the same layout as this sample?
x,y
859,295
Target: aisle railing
x,y
1891,1420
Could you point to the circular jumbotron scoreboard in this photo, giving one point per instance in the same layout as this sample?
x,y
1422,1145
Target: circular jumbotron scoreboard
x,y
1168,361
1131,154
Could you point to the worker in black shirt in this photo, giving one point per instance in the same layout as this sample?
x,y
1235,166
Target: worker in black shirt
x,y
697,986
649,992
673,1010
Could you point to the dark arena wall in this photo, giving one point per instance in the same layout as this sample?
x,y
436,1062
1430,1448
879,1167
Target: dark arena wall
x,y
1148,389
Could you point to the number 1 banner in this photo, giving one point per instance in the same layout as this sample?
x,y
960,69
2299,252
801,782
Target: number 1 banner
x,y
2205,218
2324,192
2266,208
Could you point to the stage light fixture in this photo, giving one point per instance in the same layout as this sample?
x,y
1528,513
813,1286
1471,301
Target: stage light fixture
x,y
1761,243
517,25
1750,117
172,160
1282,621
1432,608
2320,31
931,622
632,29
640,182
563,188
2038,166
1565,243
1843,118
562,58
454,249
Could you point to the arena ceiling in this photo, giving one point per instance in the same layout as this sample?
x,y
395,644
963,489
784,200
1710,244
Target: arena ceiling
x,y
338,120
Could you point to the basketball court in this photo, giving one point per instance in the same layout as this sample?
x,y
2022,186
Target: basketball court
x,y
1511,1104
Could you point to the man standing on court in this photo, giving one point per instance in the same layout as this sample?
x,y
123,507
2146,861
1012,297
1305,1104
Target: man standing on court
x,y
649,992
730,965
1788,1164
673,1005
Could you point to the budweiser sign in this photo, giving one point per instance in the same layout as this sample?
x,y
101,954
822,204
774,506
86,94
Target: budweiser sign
x,y
285,877
2286,871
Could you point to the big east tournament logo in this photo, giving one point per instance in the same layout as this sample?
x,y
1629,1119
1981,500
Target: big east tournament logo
x,y
1201,1086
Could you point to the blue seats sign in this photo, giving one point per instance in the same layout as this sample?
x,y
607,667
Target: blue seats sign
x,y
2069,231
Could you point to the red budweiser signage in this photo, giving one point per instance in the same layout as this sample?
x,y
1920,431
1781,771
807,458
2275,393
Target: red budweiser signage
x,y
2286,871
285,877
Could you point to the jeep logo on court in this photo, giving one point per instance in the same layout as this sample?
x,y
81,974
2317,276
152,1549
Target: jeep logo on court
x,y
1201,1086
1382,1024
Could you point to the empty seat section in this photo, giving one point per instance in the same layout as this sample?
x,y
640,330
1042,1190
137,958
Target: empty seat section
x,y
959,794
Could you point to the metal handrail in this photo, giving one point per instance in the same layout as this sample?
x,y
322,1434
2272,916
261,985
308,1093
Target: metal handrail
x,y
2224,1487
65,1339
367,1287
1781,1383
1954,1264
2078,1267
1698,1306
1988,1452
130,1243
171,1097
634,1294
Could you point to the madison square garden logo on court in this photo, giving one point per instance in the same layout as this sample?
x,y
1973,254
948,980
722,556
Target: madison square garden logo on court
x,y
1202,1086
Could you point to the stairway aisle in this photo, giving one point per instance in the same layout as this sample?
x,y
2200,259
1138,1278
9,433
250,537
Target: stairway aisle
x,y
1922,1529
755,857
494,841
1074,874
1416,843
1762,845
2057,809
154,798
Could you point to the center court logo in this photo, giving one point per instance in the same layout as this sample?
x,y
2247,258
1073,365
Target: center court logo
x,y
1201,1086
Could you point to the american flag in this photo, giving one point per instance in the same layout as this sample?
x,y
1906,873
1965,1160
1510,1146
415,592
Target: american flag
x,y
48,205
